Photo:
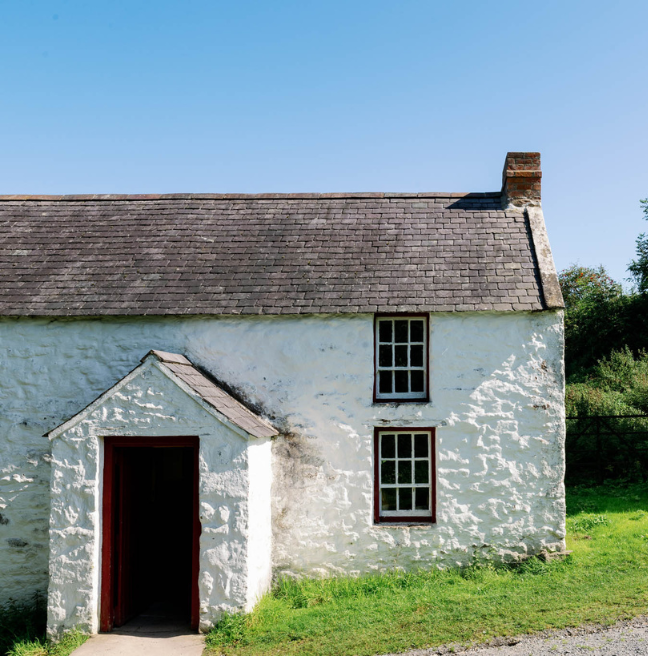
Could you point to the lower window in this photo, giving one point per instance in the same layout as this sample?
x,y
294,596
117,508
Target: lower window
x,y
404,489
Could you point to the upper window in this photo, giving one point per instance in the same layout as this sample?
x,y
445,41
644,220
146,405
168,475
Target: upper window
x,y
401,358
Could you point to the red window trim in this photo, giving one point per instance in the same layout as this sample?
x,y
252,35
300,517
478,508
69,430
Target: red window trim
x,y
404,315
106,618
405,519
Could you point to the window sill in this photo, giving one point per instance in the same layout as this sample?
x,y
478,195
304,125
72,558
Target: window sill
x,y
401,401
405,524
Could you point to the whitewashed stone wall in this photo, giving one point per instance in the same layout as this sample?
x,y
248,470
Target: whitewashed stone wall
x,y
149,403
497,387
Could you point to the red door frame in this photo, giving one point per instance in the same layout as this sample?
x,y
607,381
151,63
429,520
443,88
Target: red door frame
x,y
107,619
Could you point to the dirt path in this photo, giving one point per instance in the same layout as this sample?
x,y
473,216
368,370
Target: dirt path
x,y
628,638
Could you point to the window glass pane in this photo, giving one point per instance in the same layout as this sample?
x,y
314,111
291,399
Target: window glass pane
x,y
416,328
422,498
385,330
405,464
389,498
402,382
401,356
418,384
385,355
421,471
404,471
420,446
405,446
416,355
388,472
385,382
405,498
388,447
401,347
401,331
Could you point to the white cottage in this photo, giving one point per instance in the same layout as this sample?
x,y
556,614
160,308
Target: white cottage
x,y
202,392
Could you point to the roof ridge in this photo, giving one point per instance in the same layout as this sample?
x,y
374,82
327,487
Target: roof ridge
x,y
262,196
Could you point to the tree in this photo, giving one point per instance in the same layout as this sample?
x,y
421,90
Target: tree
x,y
639,267
606,342
585,284
597,318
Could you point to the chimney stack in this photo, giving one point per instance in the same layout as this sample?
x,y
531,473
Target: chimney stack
x,y
521,179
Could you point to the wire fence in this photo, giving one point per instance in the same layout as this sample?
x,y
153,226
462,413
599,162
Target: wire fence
x,y
606,447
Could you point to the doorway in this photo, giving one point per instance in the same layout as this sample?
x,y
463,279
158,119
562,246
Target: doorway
x,y
150,531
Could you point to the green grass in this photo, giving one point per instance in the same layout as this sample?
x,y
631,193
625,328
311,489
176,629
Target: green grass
x,y
22,631
40,647
604,580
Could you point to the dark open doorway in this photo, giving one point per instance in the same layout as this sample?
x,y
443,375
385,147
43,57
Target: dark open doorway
x,y
150,530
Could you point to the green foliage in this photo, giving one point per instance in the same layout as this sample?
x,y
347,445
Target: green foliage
x,y
639,268
230,630
587,285
22,621
606,337
41,647
617,385
602,581
587,522
599,319
22,631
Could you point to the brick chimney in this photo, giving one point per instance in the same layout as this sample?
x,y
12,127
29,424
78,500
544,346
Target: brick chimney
x,y
521,179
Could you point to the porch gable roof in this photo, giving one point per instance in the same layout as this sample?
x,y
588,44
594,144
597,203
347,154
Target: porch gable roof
x,y
179,369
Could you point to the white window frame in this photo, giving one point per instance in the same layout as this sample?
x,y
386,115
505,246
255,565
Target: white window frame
x,y
401,396
428,515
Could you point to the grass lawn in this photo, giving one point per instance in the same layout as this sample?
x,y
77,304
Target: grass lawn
x,y
604,580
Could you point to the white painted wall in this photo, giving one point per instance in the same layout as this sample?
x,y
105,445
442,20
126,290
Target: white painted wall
x,y
149,403
497,397
259,535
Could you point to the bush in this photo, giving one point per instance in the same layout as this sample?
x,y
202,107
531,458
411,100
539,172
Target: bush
x,y
601,325
617,385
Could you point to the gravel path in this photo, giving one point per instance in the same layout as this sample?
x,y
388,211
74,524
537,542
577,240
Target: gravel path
x,y
628,638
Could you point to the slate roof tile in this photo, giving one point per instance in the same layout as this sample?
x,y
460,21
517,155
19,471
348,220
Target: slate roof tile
x,y
217,397
264,254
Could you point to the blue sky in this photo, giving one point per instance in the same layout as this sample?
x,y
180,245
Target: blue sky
x,y
209,96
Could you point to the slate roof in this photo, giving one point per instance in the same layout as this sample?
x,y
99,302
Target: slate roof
x,y
264,254
216,397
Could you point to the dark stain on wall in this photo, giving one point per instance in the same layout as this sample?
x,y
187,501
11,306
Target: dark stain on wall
x,y
236,393
298,458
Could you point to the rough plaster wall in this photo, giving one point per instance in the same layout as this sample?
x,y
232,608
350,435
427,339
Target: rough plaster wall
x,y
496,383
148,404
259,559
497,387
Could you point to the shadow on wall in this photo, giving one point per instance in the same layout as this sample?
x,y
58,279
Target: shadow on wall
x,y
22,621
